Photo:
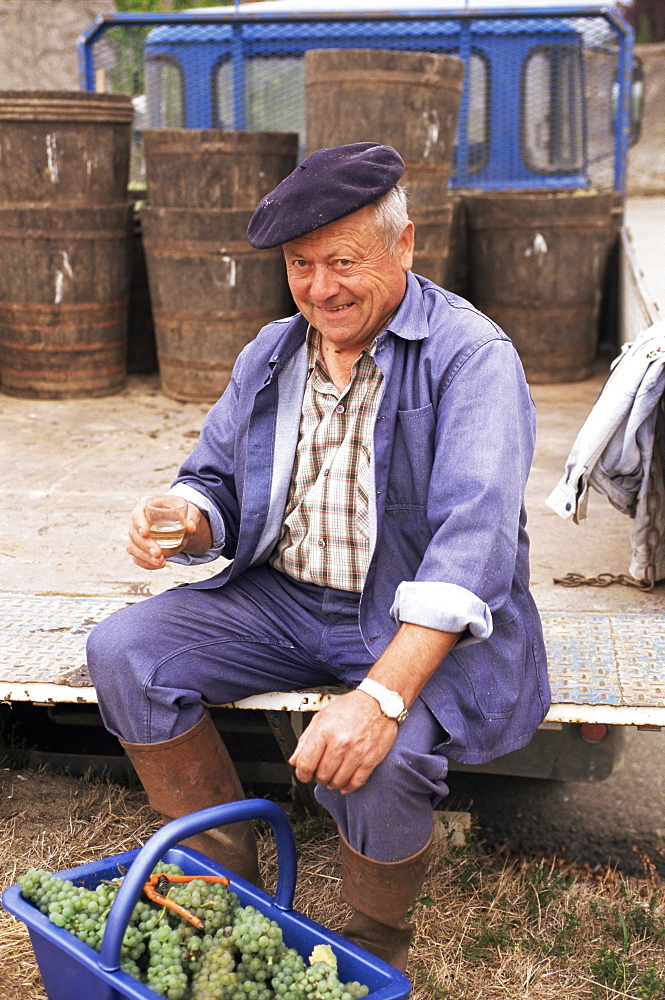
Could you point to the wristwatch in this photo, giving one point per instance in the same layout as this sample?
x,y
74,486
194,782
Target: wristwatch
x,y
390,702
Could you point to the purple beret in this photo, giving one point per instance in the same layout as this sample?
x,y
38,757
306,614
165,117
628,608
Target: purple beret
x,y
328,185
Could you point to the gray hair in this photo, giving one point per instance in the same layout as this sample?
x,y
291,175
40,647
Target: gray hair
x,y
391,215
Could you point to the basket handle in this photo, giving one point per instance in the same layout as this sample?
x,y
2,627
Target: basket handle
x,y
187,826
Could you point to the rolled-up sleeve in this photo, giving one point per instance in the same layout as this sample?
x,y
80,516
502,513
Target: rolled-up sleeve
x,y
443,606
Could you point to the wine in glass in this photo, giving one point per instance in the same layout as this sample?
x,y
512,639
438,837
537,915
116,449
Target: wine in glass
x,y
167,517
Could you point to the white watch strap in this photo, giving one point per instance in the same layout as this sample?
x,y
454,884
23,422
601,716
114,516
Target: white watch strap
x,y
382,694
374,689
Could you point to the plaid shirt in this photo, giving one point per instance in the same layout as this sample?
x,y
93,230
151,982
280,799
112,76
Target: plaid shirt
x,y
325,535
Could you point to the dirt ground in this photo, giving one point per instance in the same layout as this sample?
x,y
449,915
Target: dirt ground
x,y
488,926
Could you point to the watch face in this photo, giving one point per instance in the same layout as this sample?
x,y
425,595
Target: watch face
x,y
393,706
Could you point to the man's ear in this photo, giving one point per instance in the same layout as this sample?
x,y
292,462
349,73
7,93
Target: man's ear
x,y
405,246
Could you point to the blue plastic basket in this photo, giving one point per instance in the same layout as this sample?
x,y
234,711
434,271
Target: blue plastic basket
x,y
73,971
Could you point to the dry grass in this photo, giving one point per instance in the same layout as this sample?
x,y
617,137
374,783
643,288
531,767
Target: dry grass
x,y
487,927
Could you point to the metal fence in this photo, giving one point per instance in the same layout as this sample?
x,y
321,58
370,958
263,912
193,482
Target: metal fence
x,y
550,100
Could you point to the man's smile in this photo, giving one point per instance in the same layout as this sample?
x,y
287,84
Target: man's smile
x,y
346,305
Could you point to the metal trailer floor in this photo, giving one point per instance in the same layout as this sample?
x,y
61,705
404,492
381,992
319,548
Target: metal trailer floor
x,y
605,667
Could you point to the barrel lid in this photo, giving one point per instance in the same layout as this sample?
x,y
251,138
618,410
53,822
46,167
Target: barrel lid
x,y
64,106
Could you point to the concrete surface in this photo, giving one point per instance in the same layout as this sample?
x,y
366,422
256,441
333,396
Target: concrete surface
x,y
38,41
75,468
646,159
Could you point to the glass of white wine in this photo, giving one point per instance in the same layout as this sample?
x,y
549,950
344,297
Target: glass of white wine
x,y
167,517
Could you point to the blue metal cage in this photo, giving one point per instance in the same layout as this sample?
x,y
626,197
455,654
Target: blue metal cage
x,y
548,100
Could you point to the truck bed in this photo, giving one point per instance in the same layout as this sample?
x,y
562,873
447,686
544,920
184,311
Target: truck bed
x,y
63,566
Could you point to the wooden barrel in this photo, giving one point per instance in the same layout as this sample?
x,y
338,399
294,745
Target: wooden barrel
x,y
538,260
433,228
63,299
211,292
141,345
409,100
64,147
610,302
208,168
457,278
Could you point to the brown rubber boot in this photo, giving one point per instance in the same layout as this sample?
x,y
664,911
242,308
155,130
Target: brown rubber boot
x,y
191,772
380,894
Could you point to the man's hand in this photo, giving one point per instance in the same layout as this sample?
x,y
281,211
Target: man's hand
x,y
147,554
344,742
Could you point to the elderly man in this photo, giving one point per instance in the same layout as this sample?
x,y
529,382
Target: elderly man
x,y
365,472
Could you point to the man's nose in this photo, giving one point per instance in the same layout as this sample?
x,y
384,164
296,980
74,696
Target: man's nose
x,y
324,283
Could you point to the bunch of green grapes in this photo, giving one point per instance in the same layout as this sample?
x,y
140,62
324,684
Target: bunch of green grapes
x,y
239,954
197,945
294,980
288,976
215,976
212,902
247,988
80,911
167,974
256,936
163,868
321,980
40,886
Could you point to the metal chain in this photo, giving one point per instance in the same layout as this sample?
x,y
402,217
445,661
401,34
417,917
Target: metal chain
x,y
603,580
653,503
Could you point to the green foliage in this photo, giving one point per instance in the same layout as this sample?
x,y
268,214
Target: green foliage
x,y
640,920
615,971
543,886
466,865
166,6
487,938
562,945
616,968
127,76
424,901
307,827
436,991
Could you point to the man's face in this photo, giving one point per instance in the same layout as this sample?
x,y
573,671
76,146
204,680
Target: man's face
x,y
345,282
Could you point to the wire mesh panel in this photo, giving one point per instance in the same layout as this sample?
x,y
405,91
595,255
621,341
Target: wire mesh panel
x,y
546,100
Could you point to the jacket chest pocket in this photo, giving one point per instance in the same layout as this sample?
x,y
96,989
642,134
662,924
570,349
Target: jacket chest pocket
x,y
412,459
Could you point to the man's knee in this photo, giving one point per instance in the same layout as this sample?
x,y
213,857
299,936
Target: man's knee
x,y
116,641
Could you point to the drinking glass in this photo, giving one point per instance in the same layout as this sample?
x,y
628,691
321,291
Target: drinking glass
x,y
167,517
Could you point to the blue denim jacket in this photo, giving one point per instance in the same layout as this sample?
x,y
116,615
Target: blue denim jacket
x,y
453,444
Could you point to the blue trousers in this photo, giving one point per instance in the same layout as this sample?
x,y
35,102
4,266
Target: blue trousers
x,y
154,664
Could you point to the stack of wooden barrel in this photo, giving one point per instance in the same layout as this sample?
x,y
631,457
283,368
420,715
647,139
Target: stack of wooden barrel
x,y
65,243
210,290
539,263
408,100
